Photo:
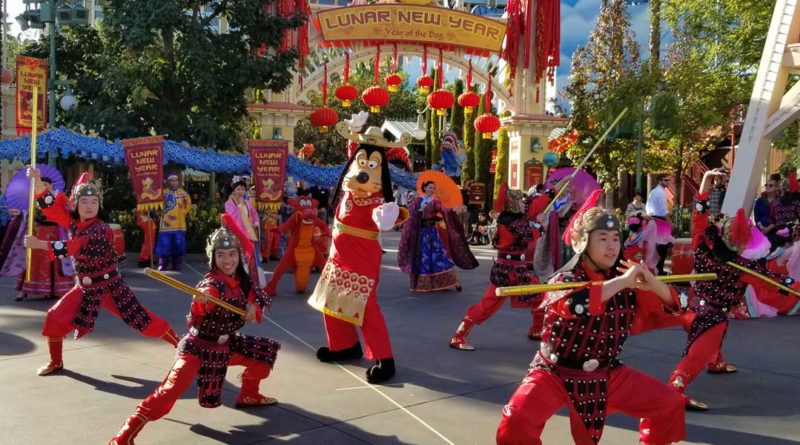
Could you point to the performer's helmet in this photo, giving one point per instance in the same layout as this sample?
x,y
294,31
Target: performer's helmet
x,y
221,238
595,218
85,187
736,232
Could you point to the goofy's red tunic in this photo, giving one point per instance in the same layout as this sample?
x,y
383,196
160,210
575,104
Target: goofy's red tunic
x,y
346,290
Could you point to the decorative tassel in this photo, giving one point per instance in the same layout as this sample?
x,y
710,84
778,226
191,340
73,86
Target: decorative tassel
x,y
325,86
588,204
394,60
740,229
469,76
441,72
537,95
346,67
244,240
424,60
377,65
502,198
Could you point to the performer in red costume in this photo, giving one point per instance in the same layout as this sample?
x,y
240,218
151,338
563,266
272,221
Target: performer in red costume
x,y
577,364
91,245
514,232
301,253
213,342
711,301
346,292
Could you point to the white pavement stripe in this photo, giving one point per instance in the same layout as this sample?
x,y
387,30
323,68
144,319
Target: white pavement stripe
x,y
364,382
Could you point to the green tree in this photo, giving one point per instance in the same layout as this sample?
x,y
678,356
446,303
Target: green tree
x,y
160,67
501,168
457,111
468,172
604,73
483,157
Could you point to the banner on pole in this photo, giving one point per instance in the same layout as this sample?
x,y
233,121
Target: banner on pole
x,y
31,72
268,158
145,159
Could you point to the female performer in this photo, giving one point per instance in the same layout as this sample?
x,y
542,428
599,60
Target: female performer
x,y
244,213
422,252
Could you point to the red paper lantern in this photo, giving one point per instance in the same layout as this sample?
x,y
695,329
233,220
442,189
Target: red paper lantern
x,y
440,100
469,101
324,118
487,124
393,81
375,97
425,83
347,94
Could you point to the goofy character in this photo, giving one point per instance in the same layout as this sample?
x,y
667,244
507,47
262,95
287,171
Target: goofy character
x,y
346,292
301,253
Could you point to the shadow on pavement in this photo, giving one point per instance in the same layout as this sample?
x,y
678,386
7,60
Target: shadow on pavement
x,y
272,429
11,344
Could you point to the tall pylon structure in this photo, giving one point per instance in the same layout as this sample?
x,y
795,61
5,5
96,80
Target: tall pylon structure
x,y
770,110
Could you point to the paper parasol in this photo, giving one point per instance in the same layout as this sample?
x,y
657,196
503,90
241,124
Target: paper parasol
x,y
583,185
18,187
446,190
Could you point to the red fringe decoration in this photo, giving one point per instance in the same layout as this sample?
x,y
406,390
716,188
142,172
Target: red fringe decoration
x,y
487,96
588,204
469,76
515,27
244,240
398,154
394,60
740,229
302,33
548,38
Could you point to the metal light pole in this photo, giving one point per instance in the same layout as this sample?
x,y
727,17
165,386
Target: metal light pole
x,y
51,85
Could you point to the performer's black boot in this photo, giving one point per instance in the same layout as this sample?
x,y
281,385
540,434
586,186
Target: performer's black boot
x,y
381,371
177,261
162,263
324,354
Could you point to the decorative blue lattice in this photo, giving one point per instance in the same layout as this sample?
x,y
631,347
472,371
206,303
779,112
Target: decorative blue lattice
x,y
62,142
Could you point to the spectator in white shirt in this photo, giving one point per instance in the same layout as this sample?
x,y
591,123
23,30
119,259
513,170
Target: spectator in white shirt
x,y
657,208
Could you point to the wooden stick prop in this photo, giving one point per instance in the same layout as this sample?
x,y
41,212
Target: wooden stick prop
x,y
545,287
585,159
32,194
183,287
764,278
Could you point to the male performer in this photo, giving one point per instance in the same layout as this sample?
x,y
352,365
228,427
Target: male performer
x,y
585,328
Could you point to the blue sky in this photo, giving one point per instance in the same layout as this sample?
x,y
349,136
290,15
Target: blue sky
x,y
578,18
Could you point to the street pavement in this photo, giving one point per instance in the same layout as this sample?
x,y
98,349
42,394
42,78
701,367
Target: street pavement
x,y
438,396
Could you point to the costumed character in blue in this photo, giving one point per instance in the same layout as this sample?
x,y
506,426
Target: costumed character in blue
x,y
452,156
172,231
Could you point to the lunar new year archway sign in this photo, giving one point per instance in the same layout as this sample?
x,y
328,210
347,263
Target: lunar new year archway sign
x,y
419,29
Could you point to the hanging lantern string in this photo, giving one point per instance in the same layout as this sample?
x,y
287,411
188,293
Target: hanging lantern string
x,y
441,70
424,60
394,60
487,98
377,66
469,76
346,67
325,86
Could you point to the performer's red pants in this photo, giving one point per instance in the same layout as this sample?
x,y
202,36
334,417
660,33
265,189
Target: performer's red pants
x,y
542,394
58,322
149,231
704,350
342,335
181,376
491,303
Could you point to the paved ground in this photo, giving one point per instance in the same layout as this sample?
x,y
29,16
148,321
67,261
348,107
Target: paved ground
x,y
439,395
